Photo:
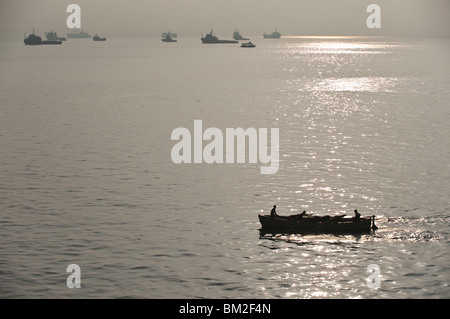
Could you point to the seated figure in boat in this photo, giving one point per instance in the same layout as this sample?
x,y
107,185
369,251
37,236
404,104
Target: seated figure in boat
x,y
357,215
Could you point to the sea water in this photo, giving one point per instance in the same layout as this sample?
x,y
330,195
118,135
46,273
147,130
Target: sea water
x,y
87,178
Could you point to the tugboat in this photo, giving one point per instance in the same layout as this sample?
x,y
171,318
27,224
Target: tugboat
x,y
210,38
168,38
78,34
273,35
237,36
34,39
52,36
97,38
248,45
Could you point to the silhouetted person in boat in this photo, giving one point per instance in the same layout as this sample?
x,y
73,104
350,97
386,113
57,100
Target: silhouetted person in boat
x,y
357,215
273,213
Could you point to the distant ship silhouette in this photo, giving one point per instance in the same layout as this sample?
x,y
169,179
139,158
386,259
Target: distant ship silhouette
x,y
237,36
273,35
173,35
210,38
168,38
34,39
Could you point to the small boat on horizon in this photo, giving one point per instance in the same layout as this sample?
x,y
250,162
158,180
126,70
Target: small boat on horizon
x,y
237,36
97,38
173,35
248,45
168,38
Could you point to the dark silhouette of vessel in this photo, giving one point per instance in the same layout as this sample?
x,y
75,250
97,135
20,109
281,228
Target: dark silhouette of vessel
x,y
273,35
210,38
52,36
34,39
248,45
97,38
237,36
78,34
173,35
168,38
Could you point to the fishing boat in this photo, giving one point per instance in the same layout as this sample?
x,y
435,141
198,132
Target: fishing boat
x,y
248,45
296,224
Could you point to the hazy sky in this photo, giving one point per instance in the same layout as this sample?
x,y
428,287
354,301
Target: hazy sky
x,y
252,17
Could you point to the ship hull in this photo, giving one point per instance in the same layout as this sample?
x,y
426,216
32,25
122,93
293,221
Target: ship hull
x,y
268,36
206,41
41,42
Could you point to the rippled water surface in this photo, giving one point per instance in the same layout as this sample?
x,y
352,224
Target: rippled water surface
x,y
86,175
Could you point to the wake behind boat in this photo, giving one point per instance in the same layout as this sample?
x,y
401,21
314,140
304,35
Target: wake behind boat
x,y
307,223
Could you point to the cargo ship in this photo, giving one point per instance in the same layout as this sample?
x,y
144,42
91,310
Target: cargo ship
x,y
273,35
210,38
34,39
52,36
237,36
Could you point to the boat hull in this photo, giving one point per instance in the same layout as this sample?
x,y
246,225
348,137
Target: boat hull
x,y
280,224
41,42
207,41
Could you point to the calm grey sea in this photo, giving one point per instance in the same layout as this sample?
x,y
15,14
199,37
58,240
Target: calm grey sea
x,y
86,175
